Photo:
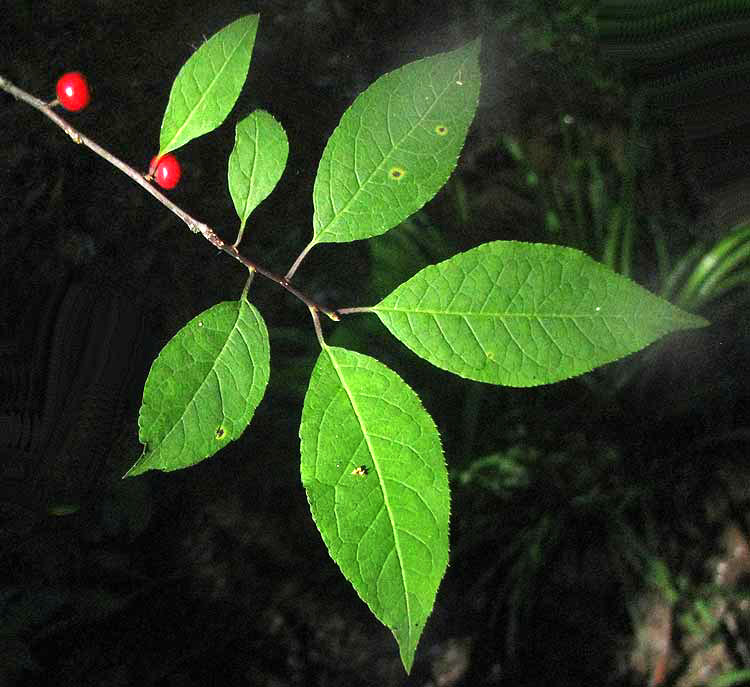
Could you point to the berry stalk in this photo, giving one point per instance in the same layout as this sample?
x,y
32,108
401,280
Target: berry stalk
x,y
193,224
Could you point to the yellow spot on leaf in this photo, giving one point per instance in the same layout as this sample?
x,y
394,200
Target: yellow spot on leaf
x,y
396,173
220,433
441,130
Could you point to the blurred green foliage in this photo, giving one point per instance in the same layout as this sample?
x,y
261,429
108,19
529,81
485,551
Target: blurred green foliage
x,y
568,492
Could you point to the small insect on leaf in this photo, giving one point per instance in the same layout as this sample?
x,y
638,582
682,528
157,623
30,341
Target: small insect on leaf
x,y
360,471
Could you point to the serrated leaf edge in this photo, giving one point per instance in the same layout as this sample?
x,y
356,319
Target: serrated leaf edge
x,y
688,320
167,148
256,115
318,234
149,449
383,489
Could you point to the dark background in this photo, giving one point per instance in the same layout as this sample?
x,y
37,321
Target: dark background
x,y
586,547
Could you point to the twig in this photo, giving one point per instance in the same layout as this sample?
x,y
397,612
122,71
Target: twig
x,y
299,259
350,311
193,224
318,329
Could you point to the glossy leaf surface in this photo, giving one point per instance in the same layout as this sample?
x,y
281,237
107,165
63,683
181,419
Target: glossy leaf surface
x,y
523,314
396,146
373,470
208,84
204,387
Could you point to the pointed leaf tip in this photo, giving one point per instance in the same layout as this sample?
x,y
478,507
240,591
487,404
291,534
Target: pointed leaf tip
x,y
208,84
523,314
396,146
375,477
203,388
257,161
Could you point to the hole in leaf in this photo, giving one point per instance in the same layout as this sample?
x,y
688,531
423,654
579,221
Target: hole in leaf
x,y
220,433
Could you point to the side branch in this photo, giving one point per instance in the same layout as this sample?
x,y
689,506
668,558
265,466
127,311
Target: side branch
x,y
299,259
351,311
193,224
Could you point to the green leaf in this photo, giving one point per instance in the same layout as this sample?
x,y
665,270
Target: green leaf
x,y
256,162
204,387
731,678
373,470
208,84
523,314
396,146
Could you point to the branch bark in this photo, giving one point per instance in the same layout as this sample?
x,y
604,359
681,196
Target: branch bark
x,y
144,181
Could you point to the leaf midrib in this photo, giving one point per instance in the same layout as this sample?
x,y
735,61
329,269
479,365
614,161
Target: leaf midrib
x,y
495,315
200,387
386,501
361,186
247,209
208,90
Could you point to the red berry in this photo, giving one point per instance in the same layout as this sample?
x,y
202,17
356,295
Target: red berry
x,y
168,170
73,91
